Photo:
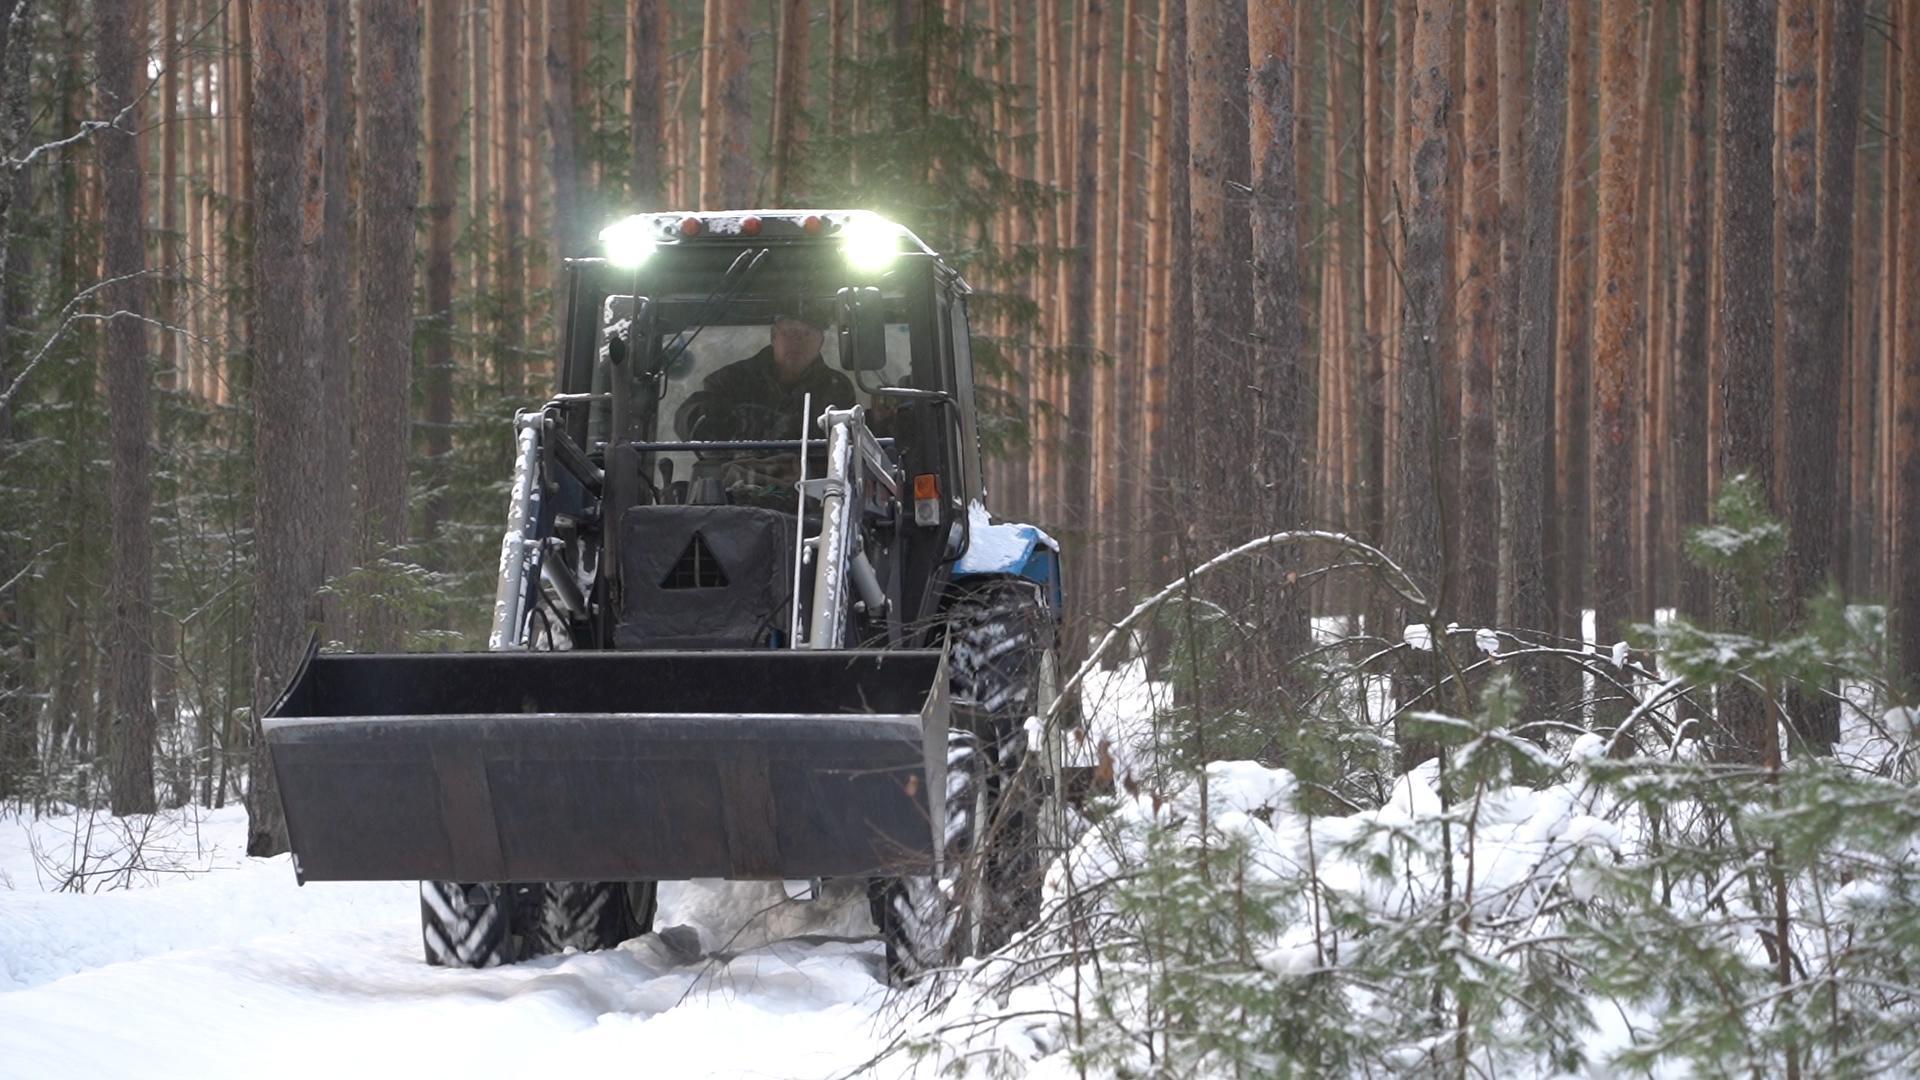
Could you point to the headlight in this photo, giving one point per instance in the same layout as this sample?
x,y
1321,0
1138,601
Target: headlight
x,y
628,242
870,241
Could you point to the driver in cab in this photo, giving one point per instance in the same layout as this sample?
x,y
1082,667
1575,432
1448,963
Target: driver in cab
x,y
761,397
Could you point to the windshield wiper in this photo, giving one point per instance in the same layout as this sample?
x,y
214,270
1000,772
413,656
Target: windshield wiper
x,y
731,285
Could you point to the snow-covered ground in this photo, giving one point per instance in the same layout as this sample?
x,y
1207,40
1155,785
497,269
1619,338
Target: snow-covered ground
x,y
213,964
154,947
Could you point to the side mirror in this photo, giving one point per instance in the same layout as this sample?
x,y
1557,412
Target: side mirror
x,y
626,332
863,329
625,321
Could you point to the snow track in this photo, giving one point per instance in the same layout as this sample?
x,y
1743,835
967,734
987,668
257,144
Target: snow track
x,y
221,966
178,956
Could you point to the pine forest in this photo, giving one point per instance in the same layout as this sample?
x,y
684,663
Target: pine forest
x,y
1469,621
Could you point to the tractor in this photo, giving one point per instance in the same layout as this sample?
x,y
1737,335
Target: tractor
x,y
753,621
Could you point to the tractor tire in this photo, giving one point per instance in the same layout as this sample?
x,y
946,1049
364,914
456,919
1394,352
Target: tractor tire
x,y
483,925
466,925
1000,672
588,915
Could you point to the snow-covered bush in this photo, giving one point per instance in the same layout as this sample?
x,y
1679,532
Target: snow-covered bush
x,y
1628,898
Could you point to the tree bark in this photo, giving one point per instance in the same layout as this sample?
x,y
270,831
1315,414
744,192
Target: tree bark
x,y
442,122
382,388
17,714
325,241
1890,282
1573,370
646,92
1376,196
171,58
1129,296
480,171
1414,529
289,552
1083,329
1170,406
790,100
510,243
1819,212
1617,304
1285,378
1479,510
569,223
1218,158
1523,392
1746,318
129,378
1688,446
726,115
1905,546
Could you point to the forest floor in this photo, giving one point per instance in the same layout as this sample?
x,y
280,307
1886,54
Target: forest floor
x,y
219,965
153,946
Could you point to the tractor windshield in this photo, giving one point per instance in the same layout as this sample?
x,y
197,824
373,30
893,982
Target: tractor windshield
x,y
738,382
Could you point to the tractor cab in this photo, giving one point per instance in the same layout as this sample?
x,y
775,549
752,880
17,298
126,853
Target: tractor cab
x,y
702,352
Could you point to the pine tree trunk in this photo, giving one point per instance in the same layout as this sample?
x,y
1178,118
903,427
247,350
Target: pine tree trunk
x,y
480,223
1688,446
1644,395
17,713
171,58
1479,506
568,235
1279,356
1414,529
289,552
1218,154
734,182
389,194
1170,409
239,72
1129,297
1819,212
1890,304
1082,320
1905,546
1617,301
1376,197
645,105
1523,390
325,240
129,382
441,120
1573,371
510,244
790,100
536,185
1103,391
1746,319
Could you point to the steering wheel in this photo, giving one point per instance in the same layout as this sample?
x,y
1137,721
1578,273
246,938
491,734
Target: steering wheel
x,y
706,417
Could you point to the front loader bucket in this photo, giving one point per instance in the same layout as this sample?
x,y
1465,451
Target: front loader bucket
x,y
611,766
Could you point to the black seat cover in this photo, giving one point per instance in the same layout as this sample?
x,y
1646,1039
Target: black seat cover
x,y
703,576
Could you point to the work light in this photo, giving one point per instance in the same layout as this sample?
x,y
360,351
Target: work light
x,y
628,242
870,241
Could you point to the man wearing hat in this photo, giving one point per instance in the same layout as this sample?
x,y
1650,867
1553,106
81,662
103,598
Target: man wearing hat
x,y
761,397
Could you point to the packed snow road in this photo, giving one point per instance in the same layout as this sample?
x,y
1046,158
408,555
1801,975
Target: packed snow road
x,y
181,957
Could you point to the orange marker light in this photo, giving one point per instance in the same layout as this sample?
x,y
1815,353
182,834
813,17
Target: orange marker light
x,y
926,500
750,226
690,226
812,224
